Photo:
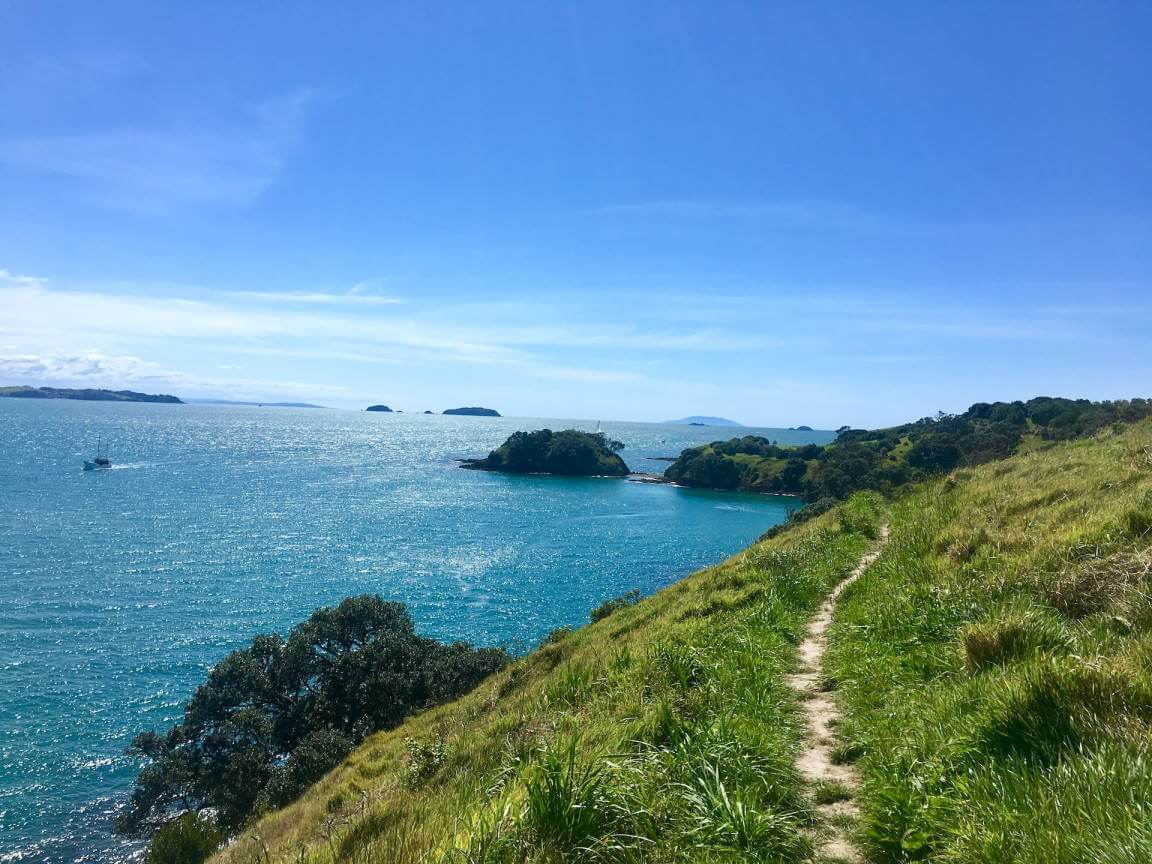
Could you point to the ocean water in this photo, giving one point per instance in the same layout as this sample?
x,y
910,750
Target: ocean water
x,y
119,589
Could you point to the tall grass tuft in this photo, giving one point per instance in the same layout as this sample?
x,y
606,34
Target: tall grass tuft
x,y
1014,634
568,803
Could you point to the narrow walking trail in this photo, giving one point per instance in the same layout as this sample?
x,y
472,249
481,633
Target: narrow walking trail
x,y
815,763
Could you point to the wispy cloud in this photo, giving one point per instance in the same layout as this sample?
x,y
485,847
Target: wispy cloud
x,y
12,279
320,298
115,335
44,318
169,167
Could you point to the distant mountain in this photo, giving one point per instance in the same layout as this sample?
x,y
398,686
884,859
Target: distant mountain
x,y
87,395
256,404
474,412
696,420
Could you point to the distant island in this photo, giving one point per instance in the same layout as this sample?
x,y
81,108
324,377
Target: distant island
x,y
569,452
254,404
383,409
474,412
697,420
86,395
800,428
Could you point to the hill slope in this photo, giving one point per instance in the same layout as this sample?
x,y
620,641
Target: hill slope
x,y
993,666
996,663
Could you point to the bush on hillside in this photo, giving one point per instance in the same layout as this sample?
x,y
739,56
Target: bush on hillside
x,y
629,598
274,717
188,839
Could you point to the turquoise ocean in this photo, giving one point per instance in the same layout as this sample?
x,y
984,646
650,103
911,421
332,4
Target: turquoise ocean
x,y
119,589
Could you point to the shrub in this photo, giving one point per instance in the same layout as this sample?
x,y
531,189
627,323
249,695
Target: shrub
x,y
568,805
629,598
424,759
188,839
557,635
275,716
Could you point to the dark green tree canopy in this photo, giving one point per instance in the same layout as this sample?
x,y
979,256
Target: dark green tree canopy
x,y
569,452
274,717
884,459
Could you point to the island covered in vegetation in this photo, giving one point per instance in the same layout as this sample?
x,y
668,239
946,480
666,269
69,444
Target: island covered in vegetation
x,y
382,409
87,395
474,412
568,452
885,459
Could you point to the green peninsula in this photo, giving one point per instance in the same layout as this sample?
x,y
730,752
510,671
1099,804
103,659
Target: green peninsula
x,y
886,459
87,395
568,452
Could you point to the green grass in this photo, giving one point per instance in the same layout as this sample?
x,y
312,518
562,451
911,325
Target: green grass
x,y
995,664
663,732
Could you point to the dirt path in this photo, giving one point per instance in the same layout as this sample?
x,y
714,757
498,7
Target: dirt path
x,y
820,712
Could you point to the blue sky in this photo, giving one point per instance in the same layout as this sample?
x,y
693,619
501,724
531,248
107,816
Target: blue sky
x,y
780,212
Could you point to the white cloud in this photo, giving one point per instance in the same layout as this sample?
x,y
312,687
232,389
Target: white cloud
x,y
162,168
93,366
26,281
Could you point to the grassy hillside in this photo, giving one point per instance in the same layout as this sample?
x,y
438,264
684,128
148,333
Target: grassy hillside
x,y
994,665
663,732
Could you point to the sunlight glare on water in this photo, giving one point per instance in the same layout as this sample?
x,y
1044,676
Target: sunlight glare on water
x,y
119,589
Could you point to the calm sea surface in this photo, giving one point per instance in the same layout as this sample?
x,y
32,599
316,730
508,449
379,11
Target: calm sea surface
x,y
119,589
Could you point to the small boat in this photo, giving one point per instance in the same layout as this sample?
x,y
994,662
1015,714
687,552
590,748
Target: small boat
x,y
98,462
